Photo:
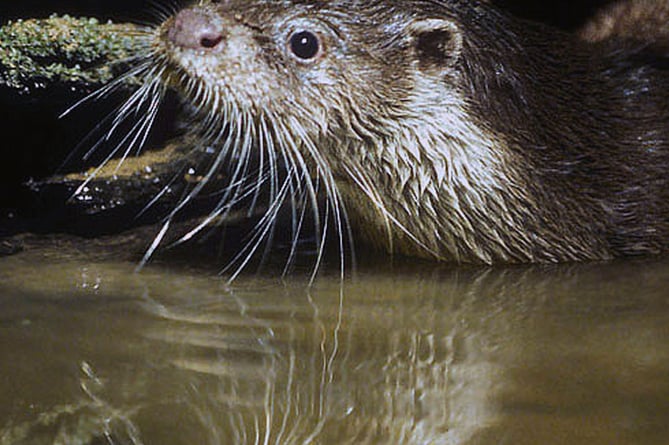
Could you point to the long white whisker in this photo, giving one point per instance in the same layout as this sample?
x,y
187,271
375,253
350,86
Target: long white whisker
x,y
157,240
107,89
298,222
222,209
140,131
138,97
261,230
113,152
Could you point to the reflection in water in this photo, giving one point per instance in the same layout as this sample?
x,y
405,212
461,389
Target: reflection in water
x,y
91,353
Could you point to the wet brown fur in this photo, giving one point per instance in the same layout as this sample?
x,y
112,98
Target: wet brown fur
x,y
450,129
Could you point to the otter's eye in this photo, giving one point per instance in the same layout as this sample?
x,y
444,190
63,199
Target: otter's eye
x,y
305,45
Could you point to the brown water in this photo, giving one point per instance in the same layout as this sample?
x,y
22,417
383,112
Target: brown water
x,y
92,353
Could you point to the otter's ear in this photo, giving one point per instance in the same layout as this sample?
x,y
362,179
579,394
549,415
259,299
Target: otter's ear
x,y
437,42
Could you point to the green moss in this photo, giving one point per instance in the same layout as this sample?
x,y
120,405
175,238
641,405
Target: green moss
x,y
78,52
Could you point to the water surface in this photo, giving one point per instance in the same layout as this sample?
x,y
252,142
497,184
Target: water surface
x,y
93,353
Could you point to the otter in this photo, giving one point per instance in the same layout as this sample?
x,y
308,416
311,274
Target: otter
x,y
441,129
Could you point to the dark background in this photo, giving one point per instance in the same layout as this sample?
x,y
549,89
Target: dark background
x,y
35,142
117,10
567,14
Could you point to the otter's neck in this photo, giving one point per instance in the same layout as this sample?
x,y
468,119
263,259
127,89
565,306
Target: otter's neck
x,y
444,188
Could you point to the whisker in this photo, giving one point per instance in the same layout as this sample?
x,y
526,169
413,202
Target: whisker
x,y
260,231
132,105
162,11
110,87
221,210
157,240
298,217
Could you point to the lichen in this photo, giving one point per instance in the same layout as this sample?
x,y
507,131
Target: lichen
x,y
77,52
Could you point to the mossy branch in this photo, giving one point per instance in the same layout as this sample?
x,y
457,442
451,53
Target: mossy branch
x,y
78,53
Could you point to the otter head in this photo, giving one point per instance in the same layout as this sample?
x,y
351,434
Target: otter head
x,y
337,69
335,87
357,99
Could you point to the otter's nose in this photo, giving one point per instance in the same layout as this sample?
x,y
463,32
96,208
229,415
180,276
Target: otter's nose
x,y
192,29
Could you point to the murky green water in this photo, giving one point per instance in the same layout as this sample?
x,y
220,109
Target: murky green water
x,y
92,353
